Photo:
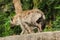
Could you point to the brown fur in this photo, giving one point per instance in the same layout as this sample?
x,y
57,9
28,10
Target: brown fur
x,y
27,19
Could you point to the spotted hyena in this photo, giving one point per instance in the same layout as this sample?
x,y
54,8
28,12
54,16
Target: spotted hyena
x,y
30,18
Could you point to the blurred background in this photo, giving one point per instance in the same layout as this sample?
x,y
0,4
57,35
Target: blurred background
x,y
51,9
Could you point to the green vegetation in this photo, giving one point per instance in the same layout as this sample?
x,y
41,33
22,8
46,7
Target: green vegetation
x,y
51,8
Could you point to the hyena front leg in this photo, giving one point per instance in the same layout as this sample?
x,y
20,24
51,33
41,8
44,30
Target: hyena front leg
x,y
27,27
24,31
39,27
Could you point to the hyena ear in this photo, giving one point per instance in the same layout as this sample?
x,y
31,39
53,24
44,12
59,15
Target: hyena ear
x,y
43,16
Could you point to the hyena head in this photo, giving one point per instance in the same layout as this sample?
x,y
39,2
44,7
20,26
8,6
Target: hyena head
x,y
41,20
